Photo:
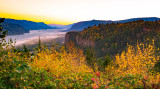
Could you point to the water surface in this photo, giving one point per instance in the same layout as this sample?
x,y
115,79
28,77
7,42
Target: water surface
x,y
33,36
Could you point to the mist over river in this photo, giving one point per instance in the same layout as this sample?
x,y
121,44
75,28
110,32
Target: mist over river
x,y
33,36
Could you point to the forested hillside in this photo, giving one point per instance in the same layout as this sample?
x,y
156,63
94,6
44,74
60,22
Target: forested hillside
x,y
113,38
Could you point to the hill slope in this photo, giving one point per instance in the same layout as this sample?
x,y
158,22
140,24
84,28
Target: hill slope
x,y
14,29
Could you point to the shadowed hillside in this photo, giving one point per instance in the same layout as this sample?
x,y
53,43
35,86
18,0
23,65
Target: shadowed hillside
x,y
14,29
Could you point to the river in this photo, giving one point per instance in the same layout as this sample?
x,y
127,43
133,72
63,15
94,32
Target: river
x,y
33,36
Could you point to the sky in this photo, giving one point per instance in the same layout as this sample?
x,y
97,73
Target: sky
x,y
72,11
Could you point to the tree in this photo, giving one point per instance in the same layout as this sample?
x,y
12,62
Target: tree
x,y
90,57
2,33
26,51
39,43
157,66
39,47
107,60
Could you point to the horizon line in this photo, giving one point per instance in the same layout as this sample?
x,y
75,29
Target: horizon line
x,y
79,21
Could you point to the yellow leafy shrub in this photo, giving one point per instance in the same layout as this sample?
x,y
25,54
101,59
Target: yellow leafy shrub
x,y
136,60
62,64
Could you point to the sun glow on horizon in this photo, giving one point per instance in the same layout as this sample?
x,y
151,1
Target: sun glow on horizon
x,y
35,18
71,11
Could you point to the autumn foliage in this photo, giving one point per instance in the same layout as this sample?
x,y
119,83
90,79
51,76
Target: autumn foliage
x,y
137,63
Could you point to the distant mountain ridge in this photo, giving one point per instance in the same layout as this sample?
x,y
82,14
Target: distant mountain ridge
x,y
17,27
29,25
135,19
85,24
61,26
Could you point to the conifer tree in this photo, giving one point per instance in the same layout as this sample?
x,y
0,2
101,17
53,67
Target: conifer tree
x,y
39,44
90,57
26,51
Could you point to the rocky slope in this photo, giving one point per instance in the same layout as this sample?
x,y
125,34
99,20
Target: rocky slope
x,y
70,36
84,42
73,36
